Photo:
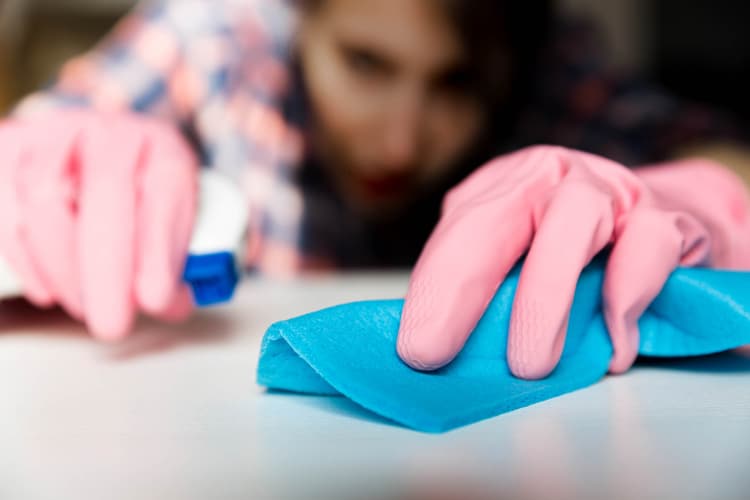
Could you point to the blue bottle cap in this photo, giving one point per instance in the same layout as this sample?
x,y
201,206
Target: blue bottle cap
x,y
212,278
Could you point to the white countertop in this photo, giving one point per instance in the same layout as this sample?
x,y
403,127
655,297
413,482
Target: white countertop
x,y
174,413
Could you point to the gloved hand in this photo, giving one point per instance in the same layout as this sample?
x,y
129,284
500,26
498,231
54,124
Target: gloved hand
x,y
96,213
563,207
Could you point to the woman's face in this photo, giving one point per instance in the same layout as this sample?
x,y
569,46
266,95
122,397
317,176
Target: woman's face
x,y
388,86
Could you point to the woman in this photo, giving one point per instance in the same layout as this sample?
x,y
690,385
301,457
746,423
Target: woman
x,y
346,121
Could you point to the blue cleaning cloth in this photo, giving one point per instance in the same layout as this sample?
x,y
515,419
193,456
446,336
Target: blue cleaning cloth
x,y
350,350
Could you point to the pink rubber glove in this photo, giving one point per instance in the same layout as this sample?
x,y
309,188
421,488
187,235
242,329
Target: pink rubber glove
x,y
563,207
96,213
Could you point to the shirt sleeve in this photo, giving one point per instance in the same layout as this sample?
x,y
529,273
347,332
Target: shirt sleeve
x,y
134,68
219,70
216,68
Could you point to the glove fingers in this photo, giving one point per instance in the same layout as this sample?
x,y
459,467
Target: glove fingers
x,y
110,155
576,225
467,257
179,309
486,227
11,248
648,250
166,213
47,183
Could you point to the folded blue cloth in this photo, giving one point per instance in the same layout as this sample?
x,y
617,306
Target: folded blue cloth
x,y
350,350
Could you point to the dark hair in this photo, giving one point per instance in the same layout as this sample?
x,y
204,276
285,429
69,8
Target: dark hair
x,y
504,39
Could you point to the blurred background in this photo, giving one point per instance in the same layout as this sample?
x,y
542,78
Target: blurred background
x,y
696,48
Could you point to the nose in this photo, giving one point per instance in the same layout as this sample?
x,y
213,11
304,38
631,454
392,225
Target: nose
x,y
402,136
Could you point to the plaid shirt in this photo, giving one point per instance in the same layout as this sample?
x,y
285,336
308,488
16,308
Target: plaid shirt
x,y
219,69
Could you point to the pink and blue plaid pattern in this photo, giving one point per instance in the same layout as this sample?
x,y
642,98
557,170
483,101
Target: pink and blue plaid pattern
x,y
219,69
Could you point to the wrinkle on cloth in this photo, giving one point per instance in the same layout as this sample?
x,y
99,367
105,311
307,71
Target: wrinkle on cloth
x,y
350,350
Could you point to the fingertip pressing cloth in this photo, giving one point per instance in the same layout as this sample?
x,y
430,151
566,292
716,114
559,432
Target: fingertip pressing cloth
x,y
350,350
